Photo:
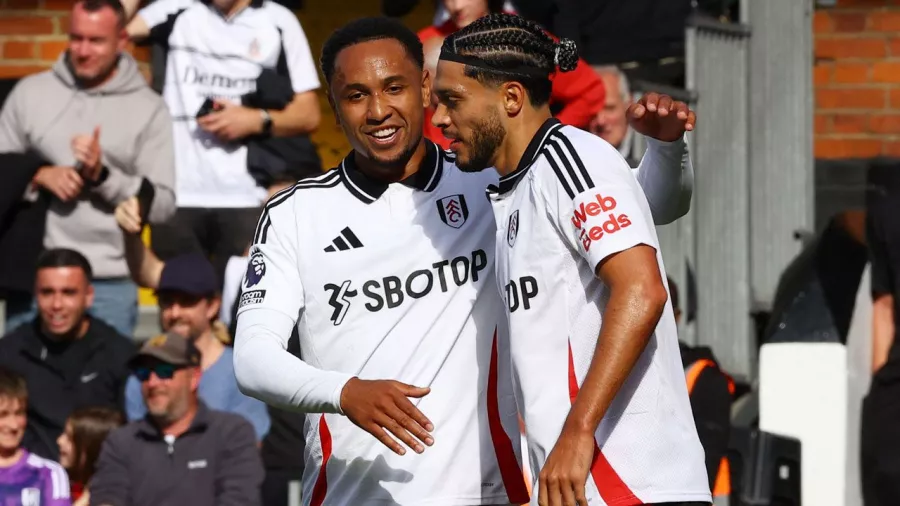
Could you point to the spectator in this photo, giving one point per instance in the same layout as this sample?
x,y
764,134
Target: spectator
x,y
182,453
107,137
79,447
710,392
218,199
69,358
611,123
577,96
189,303
25,479
880,443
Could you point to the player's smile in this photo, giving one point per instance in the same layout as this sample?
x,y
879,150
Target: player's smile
x,y
386,136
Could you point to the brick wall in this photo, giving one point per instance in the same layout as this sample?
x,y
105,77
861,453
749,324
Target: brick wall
x,y
857,79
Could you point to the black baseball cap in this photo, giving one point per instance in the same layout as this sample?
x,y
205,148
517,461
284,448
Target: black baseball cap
x,y
190,273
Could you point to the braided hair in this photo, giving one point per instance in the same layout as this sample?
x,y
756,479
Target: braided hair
x,y
506,42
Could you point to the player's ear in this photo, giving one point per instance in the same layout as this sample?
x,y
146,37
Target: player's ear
x,y
513,96
426,88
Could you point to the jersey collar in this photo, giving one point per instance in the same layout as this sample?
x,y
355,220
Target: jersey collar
x,y
509,181
369,190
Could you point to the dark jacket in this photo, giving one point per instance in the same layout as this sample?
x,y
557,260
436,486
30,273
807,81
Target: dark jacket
x,y
21,223
62,377
214,463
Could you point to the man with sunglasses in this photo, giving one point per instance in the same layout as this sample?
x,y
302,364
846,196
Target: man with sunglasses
x,y
187,290
182,452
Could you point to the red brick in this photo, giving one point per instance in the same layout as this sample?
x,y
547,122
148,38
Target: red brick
x,y
18,50
822,22
895,98
868,47
894,47
890,148
26,25
849,123
847,148
51,50
886,72
885,21
822,74
851,22
822,124
855,98
19,70
851,73
885,123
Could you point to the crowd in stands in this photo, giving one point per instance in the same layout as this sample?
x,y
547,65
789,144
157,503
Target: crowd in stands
x,y
93,156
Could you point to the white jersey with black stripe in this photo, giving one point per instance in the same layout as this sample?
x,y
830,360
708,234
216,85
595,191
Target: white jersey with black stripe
x,y
572,202
386,281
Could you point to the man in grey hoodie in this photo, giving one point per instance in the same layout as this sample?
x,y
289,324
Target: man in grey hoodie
x,y
105,137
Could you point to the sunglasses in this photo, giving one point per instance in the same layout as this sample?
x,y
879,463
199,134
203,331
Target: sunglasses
x,y
162,371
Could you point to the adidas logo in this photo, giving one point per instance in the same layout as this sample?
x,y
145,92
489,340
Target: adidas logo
x,y
347,240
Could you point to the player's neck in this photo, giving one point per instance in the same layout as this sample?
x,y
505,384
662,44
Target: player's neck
x,y
519,134
9,458
392,172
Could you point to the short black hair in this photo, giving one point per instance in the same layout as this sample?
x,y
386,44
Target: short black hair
x,y
62,257
115,5
365,30
505,42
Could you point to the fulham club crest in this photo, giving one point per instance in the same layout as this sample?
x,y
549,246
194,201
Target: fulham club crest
x,y
453,210
513,229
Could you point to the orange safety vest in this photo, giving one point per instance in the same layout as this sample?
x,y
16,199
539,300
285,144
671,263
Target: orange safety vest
x,y
722,486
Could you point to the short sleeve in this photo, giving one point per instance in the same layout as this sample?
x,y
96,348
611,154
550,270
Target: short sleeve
x,y
593,200
272,279
298,56
158,13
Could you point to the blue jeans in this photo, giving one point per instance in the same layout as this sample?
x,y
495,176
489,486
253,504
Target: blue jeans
x,y
115,302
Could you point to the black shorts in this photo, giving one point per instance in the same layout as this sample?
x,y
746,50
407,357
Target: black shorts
x,y
880,445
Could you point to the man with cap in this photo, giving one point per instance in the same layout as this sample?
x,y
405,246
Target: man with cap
x,y
182,452
187,291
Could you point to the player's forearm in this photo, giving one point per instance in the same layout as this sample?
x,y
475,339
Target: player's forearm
x,y
882,330
266,371
630,318
131,7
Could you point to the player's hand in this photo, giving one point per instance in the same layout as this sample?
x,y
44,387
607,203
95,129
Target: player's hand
x,y
661,117
383,404
231,122
562,479
86,149
63,182
128,215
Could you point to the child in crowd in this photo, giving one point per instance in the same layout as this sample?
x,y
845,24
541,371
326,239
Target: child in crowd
x,y
80,443
25,478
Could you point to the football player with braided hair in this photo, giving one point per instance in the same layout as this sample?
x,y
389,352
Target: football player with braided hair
x,y
592,335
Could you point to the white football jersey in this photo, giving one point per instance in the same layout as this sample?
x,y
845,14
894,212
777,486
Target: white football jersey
x,y
572,202
396,281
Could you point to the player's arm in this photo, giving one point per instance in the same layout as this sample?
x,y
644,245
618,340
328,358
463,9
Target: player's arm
x,y
270,302
606,226
882,287
665,173
152,18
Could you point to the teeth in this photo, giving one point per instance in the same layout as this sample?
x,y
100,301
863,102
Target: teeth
x,y
383,134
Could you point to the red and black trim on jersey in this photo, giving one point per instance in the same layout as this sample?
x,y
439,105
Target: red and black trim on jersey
x,y
369,190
